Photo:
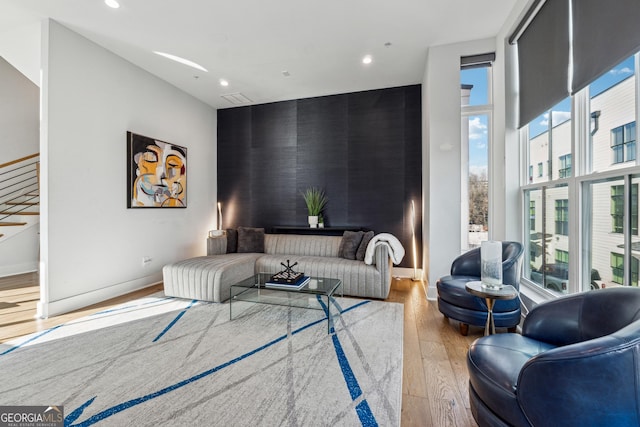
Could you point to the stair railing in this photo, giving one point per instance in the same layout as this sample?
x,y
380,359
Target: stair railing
x,y
19,185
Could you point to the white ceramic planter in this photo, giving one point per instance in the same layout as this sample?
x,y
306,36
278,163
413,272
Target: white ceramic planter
x,y
313,221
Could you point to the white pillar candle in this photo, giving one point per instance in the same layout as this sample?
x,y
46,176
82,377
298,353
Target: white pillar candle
x,y
491,257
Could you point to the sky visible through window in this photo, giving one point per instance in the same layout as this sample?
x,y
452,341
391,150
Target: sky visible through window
x,y
562,111
478,126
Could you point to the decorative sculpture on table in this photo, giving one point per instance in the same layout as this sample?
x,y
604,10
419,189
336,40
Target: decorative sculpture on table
x,y
287,275
491,260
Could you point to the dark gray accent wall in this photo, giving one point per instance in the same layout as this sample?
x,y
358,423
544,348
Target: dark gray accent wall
x,y
362,148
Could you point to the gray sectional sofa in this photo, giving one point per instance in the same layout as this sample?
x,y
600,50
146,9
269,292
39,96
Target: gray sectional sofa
x,y
210,277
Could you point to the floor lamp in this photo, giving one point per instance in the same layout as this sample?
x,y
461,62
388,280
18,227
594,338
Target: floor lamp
x,y
218,231
413,242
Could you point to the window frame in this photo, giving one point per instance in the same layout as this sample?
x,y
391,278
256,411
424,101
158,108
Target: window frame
x,y
580,242
466,112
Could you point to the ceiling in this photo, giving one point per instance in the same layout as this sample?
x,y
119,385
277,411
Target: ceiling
x,y
251,43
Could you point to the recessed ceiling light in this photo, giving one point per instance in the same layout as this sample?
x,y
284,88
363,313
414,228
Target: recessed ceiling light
x,y
367,59
223,82
182,61
112,3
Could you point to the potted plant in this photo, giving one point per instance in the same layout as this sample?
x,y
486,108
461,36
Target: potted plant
x,y
316,200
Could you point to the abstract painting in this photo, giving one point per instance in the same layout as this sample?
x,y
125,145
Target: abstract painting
x,y
156,173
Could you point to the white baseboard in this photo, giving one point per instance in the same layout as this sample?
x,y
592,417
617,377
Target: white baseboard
x,y
54,308
406,272
12,270
432,293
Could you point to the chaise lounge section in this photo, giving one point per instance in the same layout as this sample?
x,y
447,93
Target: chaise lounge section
x,y
210,277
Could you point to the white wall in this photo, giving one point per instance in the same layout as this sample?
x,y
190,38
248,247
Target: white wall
x,y
20,44
442,158
19,137
19,254
18,114
92,245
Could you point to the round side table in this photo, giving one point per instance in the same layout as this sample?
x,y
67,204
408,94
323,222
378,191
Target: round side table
x,y
491,295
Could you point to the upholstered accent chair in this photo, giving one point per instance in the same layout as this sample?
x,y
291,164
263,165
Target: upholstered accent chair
x,y
456,303
577,363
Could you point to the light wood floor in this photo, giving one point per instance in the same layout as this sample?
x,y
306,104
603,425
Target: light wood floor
x,y
435,390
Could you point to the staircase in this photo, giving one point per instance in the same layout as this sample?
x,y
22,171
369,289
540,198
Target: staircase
x,y
19,195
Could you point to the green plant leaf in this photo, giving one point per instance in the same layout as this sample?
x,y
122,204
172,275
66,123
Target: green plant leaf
x,y
315,199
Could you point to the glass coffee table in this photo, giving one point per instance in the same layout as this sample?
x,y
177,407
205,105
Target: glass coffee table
x,y
319,289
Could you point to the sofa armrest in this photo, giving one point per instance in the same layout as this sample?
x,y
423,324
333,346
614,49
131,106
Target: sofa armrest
x,y
384,265
590,383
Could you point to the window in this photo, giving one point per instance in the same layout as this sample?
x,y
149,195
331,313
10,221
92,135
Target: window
x,y
547,221
540,169
565,166
530,173
623,143
562,257
617,269
532,215
612,125
617,209
606,181
475,84
562,217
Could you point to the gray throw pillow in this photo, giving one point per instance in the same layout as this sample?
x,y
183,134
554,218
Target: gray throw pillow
x,y
232,240
250,239
362,249
349,244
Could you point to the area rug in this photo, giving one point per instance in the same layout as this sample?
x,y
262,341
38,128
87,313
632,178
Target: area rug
x,y
164,361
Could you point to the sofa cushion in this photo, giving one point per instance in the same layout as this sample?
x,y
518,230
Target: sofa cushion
x,y
349,244
295,244
250,240
362,248
358,278
232,240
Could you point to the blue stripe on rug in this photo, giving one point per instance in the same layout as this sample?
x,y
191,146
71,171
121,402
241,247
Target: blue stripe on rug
x,y
31,339
75,414
362,409
173,322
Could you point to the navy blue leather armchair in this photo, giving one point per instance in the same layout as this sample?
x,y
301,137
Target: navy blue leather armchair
x,y
577,363
456,303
